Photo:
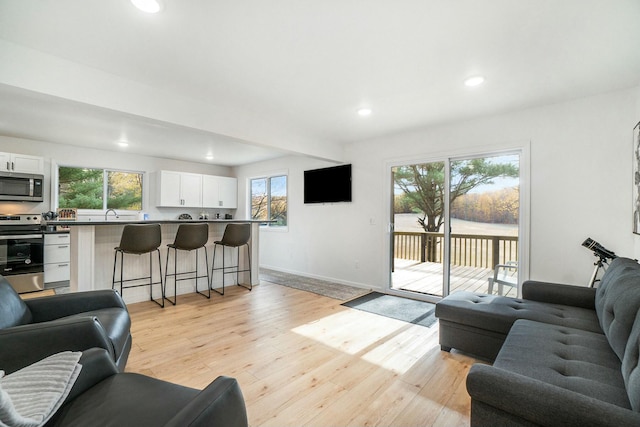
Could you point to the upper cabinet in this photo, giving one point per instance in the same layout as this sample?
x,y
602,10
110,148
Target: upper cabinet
x,y
179,189
21,163
219,192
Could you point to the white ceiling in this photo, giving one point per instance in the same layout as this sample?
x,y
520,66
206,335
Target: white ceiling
x,y
306,67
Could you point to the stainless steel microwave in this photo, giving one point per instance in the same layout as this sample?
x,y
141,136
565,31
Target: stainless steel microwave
x,y
21,187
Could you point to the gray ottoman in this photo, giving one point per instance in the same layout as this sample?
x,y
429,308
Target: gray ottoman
x,y
478,324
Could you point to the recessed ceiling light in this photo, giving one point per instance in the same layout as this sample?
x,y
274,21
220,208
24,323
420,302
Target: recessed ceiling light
x,y
123,143
209,157
364,112
474,81
149,6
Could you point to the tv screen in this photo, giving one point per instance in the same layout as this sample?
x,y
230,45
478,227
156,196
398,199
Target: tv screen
x,y
328,185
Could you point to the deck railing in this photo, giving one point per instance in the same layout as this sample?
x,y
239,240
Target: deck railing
x,y
470,250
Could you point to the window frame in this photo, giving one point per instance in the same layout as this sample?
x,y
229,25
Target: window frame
x,y
268,225
105,186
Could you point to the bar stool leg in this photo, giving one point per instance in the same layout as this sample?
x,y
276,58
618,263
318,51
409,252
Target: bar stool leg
x,y
150,276
121,271
166,273
206,260
213,267
162,285
113,277
250,287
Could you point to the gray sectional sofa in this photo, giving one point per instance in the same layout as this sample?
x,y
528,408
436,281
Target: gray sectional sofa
x,y
562,355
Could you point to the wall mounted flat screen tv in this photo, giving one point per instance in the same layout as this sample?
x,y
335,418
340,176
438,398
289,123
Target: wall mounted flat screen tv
x,y
328,185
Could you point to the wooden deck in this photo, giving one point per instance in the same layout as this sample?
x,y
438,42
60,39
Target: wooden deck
x,y
426,278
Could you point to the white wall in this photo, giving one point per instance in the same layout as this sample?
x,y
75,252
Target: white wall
x,y
580,187
318,236
67,155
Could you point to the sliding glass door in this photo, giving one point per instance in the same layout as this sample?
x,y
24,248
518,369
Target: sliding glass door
x,y
455,226
418,222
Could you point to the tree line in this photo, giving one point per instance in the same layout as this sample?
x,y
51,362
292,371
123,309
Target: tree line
x,y
496,207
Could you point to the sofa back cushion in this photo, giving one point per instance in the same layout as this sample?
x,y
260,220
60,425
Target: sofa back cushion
x,y
618,302
631,366
13,311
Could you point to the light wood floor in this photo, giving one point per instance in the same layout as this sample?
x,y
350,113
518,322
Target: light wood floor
x,y
303,360
38,294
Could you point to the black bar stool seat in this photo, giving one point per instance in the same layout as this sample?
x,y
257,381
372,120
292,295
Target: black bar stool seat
x,y
189,237
139,239
235,236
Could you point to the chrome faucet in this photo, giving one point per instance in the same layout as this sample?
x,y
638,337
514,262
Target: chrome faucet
x,y
107,213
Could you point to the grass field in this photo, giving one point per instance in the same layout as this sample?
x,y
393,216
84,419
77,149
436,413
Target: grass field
x,y
409,222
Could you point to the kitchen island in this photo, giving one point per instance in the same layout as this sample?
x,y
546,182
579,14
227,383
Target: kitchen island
x,y
92,255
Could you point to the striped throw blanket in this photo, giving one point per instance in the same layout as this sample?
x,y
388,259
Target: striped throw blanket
x,y
30,396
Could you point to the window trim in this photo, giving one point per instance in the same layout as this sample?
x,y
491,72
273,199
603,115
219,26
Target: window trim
x,y
267,176
55,188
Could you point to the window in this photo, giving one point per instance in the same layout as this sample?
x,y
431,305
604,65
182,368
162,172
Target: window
x,y
269,200
84,188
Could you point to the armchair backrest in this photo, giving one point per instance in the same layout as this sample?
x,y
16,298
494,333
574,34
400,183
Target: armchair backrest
x,y
13,310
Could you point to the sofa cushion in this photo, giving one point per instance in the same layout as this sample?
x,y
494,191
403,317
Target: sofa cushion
x,y
618,302
115,322
569,358
630,365
13,310
115,401
497,313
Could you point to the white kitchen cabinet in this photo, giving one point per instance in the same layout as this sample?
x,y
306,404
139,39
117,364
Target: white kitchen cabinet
x,y
57,256
21,163
179,189
5,162
219,192
228,192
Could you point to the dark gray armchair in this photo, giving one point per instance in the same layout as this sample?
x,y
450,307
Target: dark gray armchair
x,y
102,396
33,329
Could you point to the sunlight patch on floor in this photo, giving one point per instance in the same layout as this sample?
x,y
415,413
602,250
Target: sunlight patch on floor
x,y
385,342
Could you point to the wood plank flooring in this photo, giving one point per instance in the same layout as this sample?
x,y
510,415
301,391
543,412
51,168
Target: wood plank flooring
x,y
302,359
426,278
38,294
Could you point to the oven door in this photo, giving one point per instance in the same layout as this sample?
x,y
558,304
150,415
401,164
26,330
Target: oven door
x,y
21,261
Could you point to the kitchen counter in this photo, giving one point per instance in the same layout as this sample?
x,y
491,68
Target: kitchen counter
x,y
92,254
153,221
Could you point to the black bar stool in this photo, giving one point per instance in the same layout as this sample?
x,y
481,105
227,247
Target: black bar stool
x,y
188,238
235,235
139,239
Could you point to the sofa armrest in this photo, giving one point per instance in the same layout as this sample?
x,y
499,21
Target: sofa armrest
x,y
96,366
220,404
556,293
541,403
21,346
57,306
